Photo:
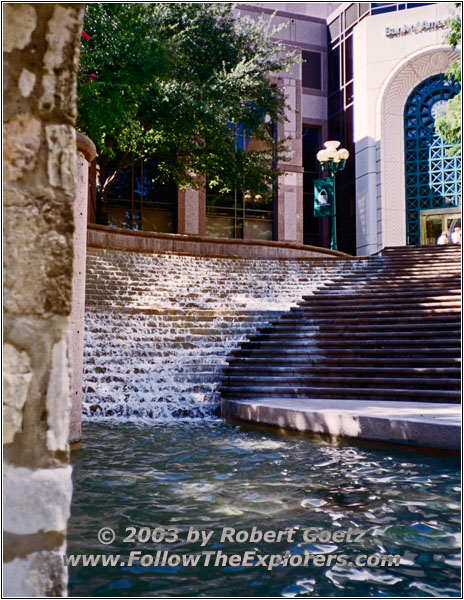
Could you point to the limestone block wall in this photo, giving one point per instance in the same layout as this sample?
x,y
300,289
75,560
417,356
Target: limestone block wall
x,y
41,53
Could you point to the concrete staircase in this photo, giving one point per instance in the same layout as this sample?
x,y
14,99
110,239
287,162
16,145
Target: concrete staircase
x,y
390,332
159,327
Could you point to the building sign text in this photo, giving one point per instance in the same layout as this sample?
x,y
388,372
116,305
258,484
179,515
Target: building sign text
x,y
419,27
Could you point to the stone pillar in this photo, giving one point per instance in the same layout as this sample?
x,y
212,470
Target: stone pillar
x,y
86,153
290,194
191,211
41,53
290,207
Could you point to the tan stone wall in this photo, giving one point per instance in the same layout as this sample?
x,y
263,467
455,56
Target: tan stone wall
x,y
41,53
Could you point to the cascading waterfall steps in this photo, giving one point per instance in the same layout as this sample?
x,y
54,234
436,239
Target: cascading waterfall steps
x,y
375,355
159,327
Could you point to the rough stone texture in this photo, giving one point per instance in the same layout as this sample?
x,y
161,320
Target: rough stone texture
x,y
57,83
41,53
36,499
26,82
39,574
61,141
22,141
19,23
16,379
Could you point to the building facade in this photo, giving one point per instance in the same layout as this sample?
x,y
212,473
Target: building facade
x,y
373,77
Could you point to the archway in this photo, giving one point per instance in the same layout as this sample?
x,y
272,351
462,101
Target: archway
x,y
391,194
432,177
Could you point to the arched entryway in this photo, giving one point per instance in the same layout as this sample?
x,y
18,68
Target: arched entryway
x,y
432,177
391,193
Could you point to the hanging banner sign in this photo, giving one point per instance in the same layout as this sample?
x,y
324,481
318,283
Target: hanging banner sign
x,y
323,197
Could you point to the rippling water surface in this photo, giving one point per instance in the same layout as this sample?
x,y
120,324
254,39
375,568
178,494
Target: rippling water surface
x,y
210,476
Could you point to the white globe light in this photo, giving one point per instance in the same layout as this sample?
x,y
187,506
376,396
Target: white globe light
x,y
331,152
332,144
343,154
322,156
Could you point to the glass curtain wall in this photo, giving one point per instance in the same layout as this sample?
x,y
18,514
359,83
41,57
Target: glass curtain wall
x,y
242,214
312,142
340,110
137,201
239,214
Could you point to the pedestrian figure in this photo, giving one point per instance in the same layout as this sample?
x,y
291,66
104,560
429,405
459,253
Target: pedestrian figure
x,y
456,236
442,240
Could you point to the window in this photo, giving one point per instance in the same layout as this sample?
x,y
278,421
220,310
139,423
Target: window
x,y
239,214
335,102
242,214
334,70
351,14
136,200
311,70
363,8
312,142
349,59
383,7
334,29
417,4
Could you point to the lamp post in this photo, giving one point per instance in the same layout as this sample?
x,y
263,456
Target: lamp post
x,y
332,161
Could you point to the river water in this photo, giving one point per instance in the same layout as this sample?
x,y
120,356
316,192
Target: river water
x,y
210,476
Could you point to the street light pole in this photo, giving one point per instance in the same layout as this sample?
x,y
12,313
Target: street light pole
x,y
332,161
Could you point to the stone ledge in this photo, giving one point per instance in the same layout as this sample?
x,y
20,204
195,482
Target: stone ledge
x,y
416,424
100,236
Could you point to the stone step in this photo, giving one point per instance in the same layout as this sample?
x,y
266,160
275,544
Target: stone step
x,y
379,284
296,318
361,342
366,301
343,361
357,326
420,248
417,257
392,272
342,393
380,292
379,311
370,334
346,381
262,369
335,351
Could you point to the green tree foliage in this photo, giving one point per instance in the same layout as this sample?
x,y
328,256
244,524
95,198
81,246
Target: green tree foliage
x,y
172,81
448,125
